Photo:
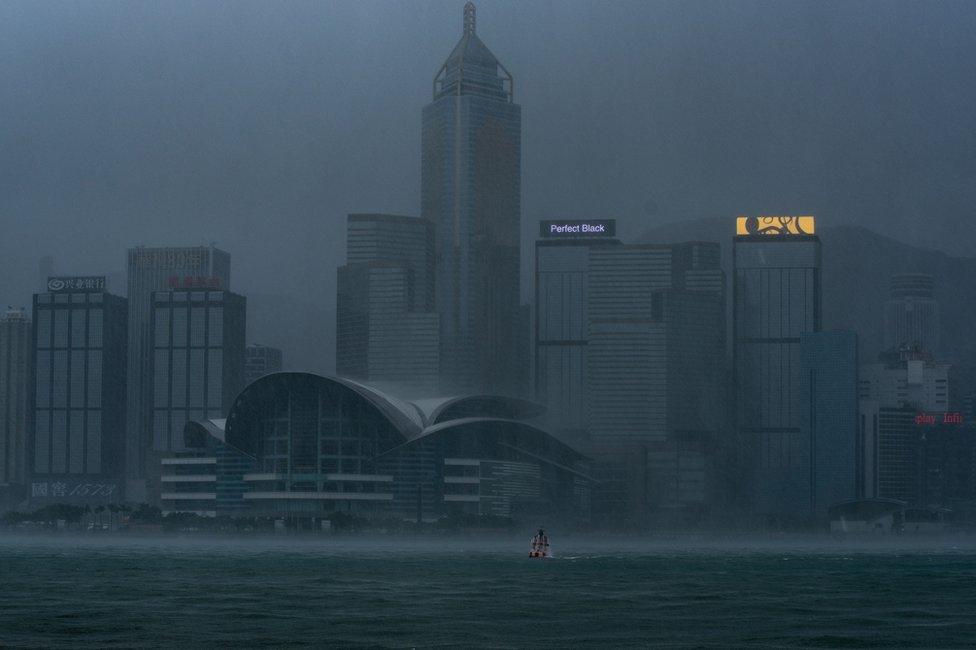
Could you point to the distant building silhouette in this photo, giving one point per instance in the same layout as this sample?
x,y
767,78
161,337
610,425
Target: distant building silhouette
x,y
15,390
911,314
470,191
260,360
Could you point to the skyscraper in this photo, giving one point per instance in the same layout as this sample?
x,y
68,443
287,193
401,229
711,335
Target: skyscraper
x,y
655,372
197,364
911,314
79,404
387,331
470,191
260,360
776,300
149,270
15,376
562,270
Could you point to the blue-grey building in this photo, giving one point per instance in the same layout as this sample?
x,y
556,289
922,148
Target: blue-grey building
x,y
261,360
828,387
15,390
79,399
776,300
471,192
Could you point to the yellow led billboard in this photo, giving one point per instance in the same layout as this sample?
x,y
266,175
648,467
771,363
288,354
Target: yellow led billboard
x,y
774,225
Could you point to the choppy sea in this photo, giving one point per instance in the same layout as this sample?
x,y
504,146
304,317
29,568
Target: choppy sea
x,y
130,592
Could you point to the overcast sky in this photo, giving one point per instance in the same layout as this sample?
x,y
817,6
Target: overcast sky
x,y
259,125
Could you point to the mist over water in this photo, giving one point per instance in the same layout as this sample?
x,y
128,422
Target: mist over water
x,y
696,591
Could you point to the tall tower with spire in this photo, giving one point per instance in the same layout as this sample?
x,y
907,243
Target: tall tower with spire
x,y
471,191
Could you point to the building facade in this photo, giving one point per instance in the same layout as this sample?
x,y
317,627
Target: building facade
x,y
79,397
655,374
911,313
197,364
15,389
776,300
561,335
471,192
387,332
260,360
150,270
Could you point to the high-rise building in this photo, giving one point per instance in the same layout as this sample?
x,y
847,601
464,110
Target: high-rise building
x,y
197,364
387,332
829,423
260,360
470,191
79,404
150,270
655,373
776,300
15,377
562,269
911,314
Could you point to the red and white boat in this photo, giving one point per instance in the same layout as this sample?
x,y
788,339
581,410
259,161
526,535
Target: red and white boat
x,y
540,545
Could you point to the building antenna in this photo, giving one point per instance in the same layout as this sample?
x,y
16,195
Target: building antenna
x,y
469,17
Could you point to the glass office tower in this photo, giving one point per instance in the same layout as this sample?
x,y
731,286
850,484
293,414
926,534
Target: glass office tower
x,y
15,373
470,191
79,393
777,296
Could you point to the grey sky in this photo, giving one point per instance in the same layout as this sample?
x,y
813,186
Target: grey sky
x,y
259,125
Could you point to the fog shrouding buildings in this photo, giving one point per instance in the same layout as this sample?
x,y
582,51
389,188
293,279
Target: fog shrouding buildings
x,y
260,360
471,192
197,365
15,390
911,314
386,329
655,373
79,405
776,300
150,270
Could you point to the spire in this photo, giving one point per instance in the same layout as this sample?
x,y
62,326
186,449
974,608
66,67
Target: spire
x,y
469,17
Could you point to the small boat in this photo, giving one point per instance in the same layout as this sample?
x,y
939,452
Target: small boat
x,y
540,545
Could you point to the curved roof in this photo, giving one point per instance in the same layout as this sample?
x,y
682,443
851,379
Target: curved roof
x,y
440,409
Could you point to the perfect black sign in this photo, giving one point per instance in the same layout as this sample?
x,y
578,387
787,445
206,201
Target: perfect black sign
x,y
589,228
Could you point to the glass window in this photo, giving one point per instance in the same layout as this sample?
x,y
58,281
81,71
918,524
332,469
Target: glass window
x,y
43,379
197,377
93,459
94,378
179,378
161,378
177,422
215,375
198,326
95,297
43,328
95,328
42,442
160,429
59,442
77,378
179,327
44,298
161,325
76,445
61,328
60,379
61,298
78,328
215,337
77,298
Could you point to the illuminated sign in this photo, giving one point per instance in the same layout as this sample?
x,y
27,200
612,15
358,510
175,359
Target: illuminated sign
x,y
168,259
774,225
70,490
589,228
938,418
76,283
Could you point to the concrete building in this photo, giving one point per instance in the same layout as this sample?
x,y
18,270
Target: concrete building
x,y
911,314
197,365
828,388
260,360
150,270
776,300
655,374
79,399
561,335
387,330
471,192
15,390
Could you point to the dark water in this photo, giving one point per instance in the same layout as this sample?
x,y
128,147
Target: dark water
x,y
91,592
